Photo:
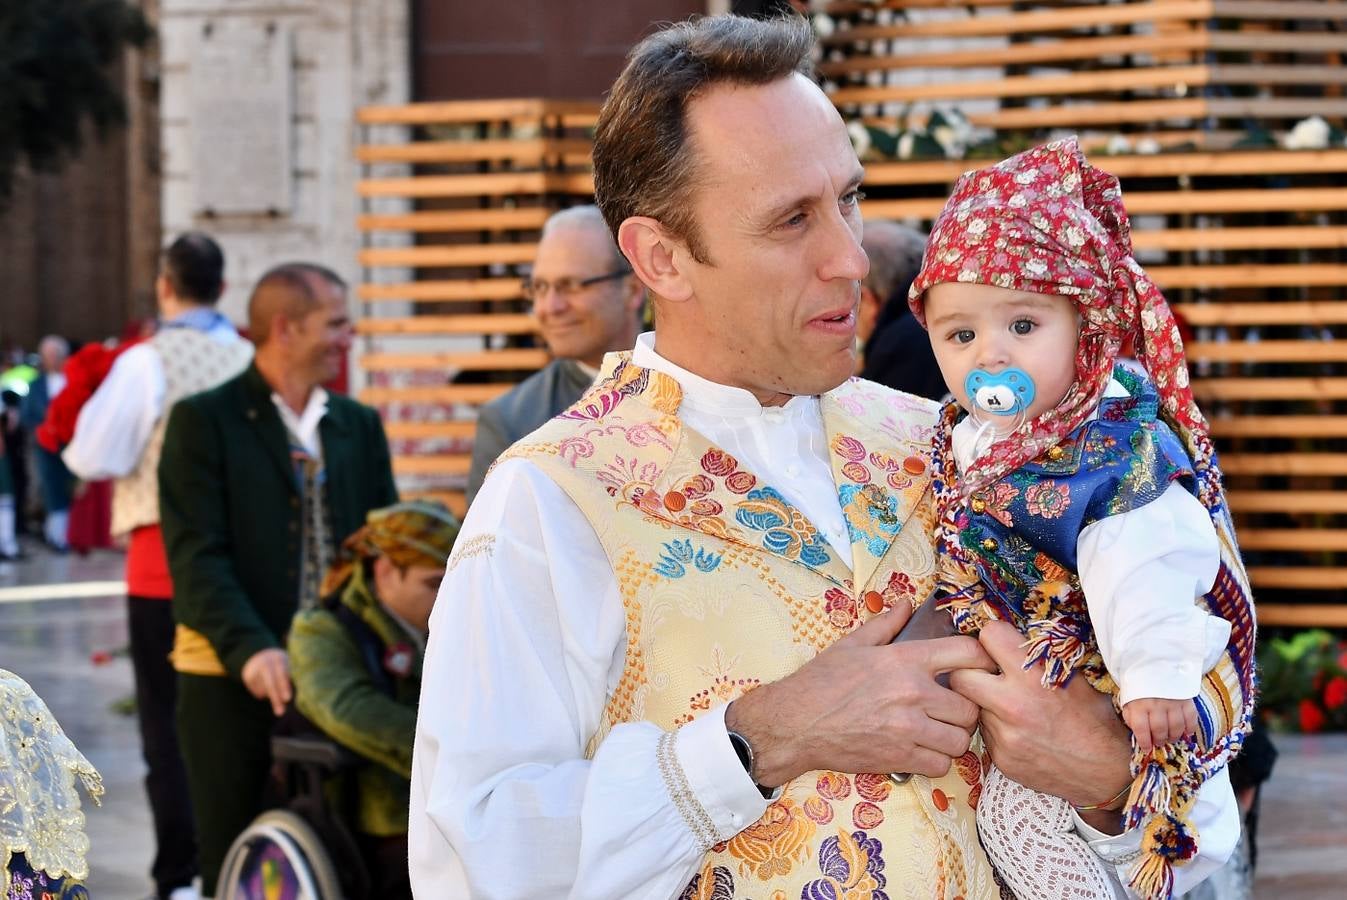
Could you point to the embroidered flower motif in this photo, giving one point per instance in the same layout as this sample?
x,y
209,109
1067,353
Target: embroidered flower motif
x,y
706,507
818,809
857,472
740,482
712,883
872,516
996,501
874,787
697,486
900,590
785,529
719,463
866,815
1047,499
773,845
833,785
848,448
852,867
678,555
596,406
969,768
840,608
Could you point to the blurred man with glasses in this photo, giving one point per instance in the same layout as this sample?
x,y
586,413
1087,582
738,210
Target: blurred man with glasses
x,y
587,303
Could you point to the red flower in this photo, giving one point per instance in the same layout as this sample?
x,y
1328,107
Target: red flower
x,y
1335,692
1312,718
719,463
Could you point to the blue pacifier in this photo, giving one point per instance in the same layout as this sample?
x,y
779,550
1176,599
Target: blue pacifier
x,y
1004,393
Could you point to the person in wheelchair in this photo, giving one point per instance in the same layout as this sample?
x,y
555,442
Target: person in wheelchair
x,y
356,665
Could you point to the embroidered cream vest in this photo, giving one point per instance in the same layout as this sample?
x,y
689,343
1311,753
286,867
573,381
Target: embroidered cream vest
x,y
193,362
727,586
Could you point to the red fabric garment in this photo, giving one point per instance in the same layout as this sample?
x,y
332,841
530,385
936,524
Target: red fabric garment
x,y
91,518
147,564
84,372
1047,221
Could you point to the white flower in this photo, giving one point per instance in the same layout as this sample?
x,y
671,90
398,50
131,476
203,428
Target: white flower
x,y
1148,146
905,142
860,137
1036,268
976,227
1308,134
1118,144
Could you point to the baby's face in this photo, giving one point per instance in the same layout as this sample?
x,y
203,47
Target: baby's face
x,y
977,326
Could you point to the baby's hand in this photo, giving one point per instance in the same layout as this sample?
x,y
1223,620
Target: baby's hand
x,y
1156,722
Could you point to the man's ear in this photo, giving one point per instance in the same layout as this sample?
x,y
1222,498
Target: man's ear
x,y
652,254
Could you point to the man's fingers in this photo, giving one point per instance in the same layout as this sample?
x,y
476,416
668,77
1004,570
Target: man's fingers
x,y
977,685
947,654
929,762
1002,643
881,629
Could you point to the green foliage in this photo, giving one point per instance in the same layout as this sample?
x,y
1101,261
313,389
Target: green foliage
x,y
1304,682
55,62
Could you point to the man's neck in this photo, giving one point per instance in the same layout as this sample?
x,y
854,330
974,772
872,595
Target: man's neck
x,y
293,389
172,307
672,349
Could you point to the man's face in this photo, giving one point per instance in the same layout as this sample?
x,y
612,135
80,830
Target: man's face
x,y
776,199
585,322
321,338
53,356
410,593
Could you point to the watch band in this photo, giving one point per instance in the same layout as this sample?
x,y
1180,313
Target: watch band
x,y
744,751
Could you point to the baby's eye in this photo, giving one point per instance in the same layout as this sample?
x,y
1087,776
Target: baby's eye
x,y
962,336
1022,326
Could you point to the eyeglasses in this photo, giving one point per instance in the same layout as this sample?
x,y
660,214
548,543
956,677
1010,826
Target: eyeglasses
x,y
537,287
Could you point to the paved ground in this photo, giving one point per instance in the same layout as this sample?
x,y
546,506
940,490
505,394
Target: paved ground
x,y
50,642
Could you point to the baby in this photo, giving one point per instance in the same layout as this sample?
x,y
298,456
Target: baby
x,y
1081,502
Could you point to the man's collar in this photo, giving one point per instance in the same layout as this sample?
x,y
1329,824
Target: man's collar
x,y
703,394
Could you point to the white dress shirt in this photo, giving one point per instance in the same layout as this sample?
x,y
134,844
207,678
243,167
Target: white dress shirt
x,y
304,425
504,803
115,425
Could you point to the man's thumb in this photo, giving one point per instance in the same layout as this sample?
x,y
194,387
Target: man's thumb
x,y
883,628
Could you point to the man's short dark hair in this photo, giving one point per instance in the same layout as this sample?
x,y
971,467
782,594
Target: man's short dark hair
x,y
643,165
287,289
194,268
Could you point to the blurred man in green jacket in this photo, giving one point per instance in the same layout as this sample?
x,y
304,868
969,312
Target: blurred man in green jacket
x,y
356,665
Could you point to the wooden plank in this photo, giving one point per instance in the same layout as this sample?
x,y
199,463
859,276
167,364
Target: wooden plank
x,y
465,290
438,394
451,255
491,323
1160,165
470,111
481,361
433,464
1301,351
1243,502
1308,578
1074,83
1091,48
1327,388
1248,276
497,184
1078,115
458,429
525,151
1301,615
1284,463
1285,312
520,219
1290,427
1305,540
1280,9
1266,238
1024,23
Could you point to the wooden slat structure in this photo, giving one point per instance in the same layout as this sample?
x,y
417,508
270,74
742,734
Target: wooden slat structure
x,y
452,200
1249,242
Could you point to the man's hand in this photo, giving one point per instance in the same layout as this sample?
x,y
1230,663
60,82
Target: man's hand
x,y
1067,741
1155,721
862,705
266,675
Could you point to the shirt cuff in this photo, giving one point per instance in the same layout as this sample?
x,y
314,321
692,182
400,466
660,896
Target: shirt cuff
x,y
704,759
1119,850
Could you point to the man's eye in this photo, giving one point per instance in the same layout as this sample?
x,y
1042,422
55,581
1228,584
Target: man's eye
x,y
1022,326
853,198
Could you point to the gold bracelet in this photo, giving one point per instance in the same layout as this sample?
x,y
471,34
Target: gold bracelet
x,y
1107,804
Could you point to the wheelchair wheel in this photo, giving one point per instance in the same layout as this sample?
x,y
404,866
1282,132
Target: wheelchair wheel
x,y
278,857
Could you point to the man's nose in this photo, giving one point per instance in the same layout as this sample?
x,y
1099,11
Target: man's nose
x,y
548,300
846,258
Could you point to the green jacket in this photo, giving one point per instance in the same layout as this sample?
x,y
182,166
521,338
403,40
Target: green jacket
x,y
334,691
231,512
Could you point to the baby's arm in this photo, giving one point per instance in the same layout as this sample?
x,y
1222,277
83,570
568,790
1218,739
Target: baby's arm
x,y
1155,722
1142,572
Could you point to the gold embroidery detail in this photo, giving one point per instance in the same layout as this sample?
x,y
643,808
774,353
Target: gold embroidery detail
x,y
479,545
676,783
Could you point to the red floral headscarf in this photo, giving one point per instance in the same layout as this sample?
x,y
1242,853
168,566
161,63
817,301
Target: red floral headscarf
x,y
1047,221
